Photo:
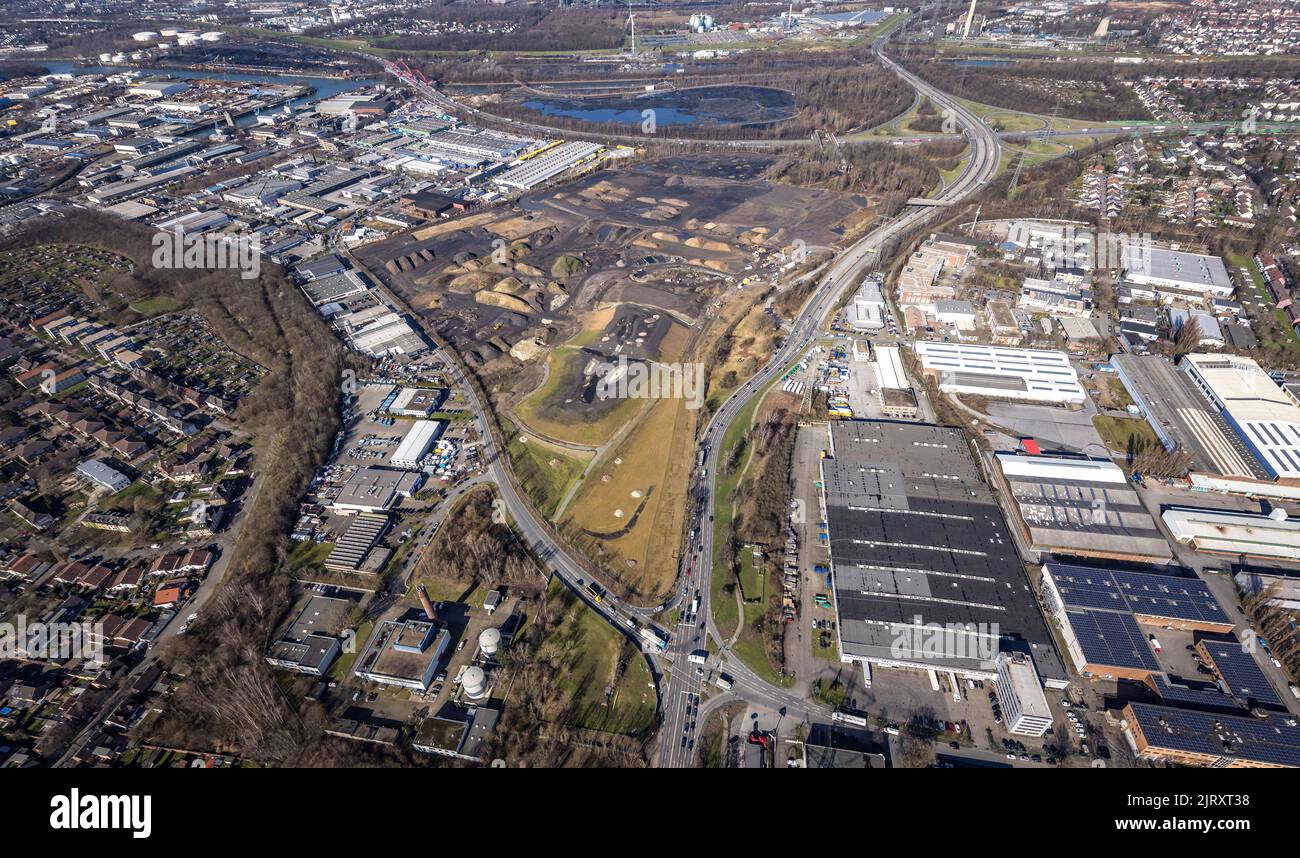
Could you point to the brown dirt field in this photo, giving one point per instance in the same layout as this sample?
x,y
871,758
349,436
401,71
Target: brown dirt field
x,y
657,459
453,225
517,227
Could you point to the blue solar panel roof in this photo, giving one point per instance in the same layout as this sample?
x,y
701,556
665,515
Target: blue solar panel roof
x,y
1112,639
1241,673
1165,596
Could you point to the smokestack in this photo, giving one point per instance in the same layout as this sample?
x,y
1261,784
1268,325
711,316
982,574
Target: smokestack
x,y
424,600
970,17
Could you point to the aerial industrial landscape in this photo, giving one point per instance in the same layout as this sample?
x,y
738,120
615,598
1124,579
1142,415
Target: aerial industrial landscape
x,y
657,384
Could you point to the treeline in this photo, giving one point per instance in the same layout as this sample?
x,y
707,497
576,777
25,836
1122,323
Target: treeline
x,y
475,548
889,174
532,29
231,700
1028,86
763,516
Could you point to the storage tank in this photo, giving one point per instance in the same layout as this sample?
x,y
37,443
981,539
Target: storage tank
x,y
187,39
489,641
213,36
105,57
145,36
169,31
474,681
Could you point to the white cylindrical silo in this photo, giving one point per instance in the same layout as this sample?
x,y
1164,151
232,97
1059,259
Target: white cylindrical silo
x,y
489,641
474,681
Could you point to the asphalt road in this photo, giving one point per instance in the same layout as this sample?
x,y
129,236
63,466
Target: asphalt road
x,y
677,736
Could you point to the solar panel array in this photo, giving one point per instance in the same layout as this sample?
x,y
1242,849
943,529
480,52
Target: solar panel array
x,y
1252,739
1112,639
1137,592
1169,596
1242,674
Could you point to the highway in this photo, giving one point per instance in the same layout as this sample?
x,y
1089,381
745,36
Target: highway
x,y
681,690
1136,128
676,744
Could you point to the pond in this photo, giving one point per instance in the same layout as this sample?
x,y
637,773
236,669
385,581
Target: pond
x,y
698,106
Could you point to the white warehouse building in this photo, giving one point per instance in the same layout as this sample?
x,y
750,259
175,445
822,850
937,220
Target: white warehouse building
x,y
1175,269
1263,414
867,310
1005,373
416,444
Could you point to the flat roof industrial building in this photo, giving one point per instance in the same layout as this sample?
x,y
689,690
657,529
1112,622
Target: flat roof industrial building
x,y
1005,373
1190,738
925,573
1080,506
1190,272
1101,612
417,401
534,172
310,642
1264,415
1239,673
417,443
405,653
1182,418
373,489
1282,590
1274,537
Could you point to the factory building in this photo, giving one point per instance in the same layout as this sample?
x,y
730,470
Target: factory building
x,y
867,310
310,643
1080,506
417,442
404,653
537,170
1265,416
897,398
1175,272
374,490
1003,373
1101,612
1282,590
157,88
925,573
416,402
1187,738
1274,536
355,545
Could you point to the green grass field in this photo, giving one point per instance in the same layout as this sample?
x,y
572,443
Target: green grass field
x,y
1118,432
545,473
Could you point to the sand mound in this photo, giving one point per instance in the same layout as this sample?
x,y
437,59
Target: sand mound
x,y
505,302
